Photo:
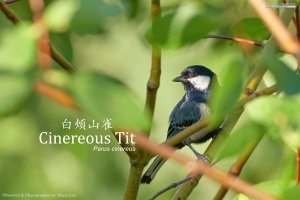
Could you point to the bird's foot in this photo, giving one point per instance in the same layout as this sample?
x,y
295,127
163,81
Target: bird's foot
x,y
199,155
202,157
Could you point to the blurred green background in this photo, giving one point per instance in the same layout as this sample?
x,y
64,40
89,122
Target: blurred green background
x,y
112,38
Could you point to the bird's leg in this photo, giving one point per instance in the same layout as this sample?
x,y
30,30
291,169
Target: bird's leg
x,y
198,155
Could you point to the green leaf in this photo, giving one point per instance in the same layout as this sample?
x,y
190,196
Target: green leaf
x,y
105,97
175,29
92,14
280,116
131,7
60,13
17,50
63,44
159,32
288,81
252,28
225,97
15,90
273,187
240,140
197,28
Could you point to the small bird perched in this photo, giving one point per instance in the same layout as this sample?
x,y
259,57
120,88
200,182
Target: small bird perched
x,y
197,81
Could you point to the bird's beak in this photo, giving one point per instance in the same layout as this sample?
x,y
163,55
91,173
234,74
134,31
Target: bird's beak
x,y
179,79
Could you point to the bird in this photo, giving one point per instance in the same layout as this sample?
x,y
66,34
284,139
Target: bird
x,y
198,82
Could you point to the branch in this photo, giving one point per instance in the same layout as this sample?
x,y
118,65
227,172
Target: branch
x,y
176,139
236,39
55,94
140,160
10,15
60,60
196,167
55,55
184,191
133,155
266,91
154,79
277,28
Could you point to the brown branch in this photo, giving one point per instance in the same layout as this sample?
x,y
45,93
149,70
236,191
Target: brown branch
x,y
13,17
55,94
196,167
266,91
9,13
298,166
236,39
277,28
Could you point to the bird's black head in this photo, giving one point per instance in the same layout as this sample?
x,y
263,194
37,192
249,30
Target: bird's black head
x,y
196,77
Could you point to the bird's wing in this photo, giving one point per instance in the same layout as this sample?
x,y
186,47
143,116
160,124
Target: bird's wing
x,y
183,115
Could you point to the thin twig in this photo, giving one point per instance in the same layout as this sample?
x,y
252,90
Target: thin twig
x,y
187,132
55,94
266,91
62,61
237,39
196,167
9,13
13,17
171,186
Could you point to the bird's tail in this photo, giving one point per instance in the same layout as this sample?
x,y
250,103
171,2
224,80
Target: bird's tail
x,y
152,170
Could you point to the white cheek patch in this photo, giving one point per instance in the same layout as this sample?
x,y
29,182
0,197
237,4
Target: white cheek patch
x,y
200,82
